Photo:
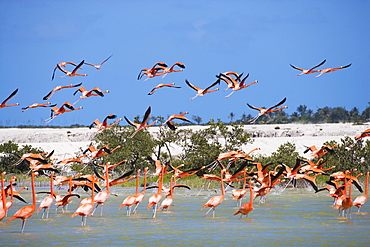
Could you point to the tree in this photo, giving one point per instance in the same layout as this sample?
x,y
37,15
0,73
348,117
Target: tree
x,y
197,119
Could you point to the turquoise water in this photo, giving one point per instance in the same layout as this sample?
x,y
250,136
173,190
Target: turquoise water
x,y
293,218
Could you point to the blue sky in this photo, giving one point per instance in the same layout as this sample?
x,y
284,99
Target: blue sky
x,y
257,37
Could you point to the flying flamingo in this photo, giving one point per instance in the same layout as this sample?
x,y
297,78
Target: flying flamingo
x,y
235,85
55,111
104,124
323,71
74,72
216,200
201,92
317,153
359,137
156,198
3,104
34,105
3,197
247,207
47,201
85,208
175,116
361,200
167,70
152,72
27,211
264,111
130,200
160,85
88,93
97,153
99,65
57,88
62,64
228,77
71,160
308,71
143,123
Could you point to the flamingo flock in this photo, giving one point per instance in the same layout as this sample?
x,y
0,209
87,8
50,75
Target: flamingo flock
x,y
260,178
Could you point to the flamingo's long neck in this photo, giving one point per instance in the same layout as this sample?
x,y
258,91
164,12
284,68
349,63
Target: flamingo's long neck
x,y
222,184
367,185
93,189
161,180
107,179
137,181
51,184
250,194
3,191
244,182
33,190
145,171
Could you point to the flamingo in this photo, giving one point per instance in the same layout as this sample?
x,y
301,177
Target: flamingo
x,y
216,200
34,105
317,153
88,93
323,71
99,65
34,156
359,137
156,198
97,153
175,116
168,201
347,202
239,194
308,71
62,64
183,174
130,200
104,124
140,196
236,86
264,111
247,207
160,85
3,210
102,196
167,70
201,92
71,160
74,72
228,77
361,200
47,201
3,104
152,72
57,88
85,208
143,123
55,111
27,211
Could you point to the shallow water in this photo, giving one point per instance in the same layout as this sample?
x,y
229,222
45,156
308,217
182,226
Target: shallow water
x,y
294,218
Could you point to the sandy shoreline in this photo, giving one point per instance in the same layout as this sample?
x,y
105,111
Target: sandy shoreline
x,y
67,141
